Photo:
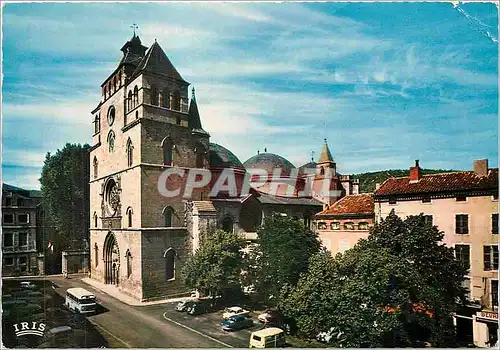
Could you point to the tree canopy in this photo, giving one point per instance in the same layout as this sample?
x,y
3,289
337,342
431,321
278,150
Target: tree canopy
x,y
65,191
397,288
216,266
285,247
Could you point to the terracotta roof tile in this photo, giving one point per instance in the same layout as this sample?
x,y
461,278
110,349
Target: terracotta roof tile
x,y
446,182
353,204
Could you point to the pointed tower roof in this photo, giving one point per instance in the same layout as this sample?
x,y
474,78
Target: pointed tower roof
x,y
326,156
156,61
194,120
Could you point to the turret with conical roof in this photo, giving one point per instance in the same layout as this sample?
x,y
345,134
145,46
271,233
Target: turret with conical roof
x,y
325,156
194,121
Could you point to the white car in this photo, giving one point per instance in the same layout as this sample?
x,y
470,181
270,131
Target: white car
x,y
234,310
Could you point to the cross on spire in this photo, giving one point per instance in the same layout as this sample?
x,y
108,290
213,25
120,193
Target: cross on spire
x,y
134,27
312,156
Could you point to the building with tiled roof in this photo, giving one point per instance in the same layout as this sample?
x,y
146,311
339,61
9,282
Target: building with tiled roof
x,y
345,222
464,205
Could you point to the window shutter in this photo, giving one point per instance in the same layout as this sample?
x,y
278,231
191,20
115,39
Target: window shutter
x,y
487,257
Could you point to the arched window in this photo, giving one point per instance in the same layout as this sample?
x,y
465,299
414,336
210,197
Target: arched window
x,y
96,124
104,92
109,89
322,171
227,224
130,153
168,213
95,219
348,226
96,165
128,256
115,83
169,256
176,101
111,141
111,115
154,96
96,255
129,217
136,114
165,98
136,97
335,225
168,147
129,100
200,155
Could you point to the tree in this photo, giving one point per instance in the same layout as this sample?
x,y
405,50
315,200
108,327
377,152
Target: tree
x,y
65,191
285,247
216,267
397,288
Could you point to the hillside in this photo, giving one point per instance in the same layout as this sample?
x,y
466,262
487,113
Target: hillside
x,y
367,181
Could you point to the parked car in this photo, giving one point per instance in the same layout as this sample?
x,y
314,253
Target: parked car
x,y
28,285
267,338
199,307
236,322
233,311
184,305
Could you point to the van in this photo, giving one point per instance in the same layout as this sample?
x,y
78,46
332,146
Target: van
x,y
271,337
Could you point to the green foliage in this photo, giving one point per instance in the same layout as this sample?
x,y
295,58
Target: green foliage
x,y
65,190
367,181
285,247
397,288
216,266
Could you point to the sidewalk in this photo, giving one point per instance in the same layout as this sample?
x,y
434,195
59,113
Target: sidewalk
x,y
113,291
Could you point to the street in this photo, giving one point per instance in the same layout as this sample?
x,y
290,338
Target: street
x,y
153,326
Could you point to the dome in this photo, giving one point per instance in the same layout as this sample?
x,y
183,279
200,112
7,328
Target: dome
x,y
269,162
223,158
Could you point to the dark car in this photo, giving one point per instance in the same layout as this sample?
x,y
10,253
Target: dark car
x,y
236,322
199,307
184,305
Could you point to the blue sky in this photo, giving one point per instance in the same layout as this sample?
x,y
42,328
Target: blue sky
x,y
385,83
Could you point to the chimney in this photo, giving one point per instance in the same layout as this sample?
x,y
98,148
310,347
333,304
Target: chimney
x,y
415,173
481,167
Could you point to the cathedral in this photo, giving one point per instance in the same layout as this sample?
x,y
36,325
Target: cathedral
x,y
146,123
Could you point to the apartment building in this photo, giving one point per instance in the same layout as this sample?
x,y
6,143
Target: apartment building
x,y
19,232
464,205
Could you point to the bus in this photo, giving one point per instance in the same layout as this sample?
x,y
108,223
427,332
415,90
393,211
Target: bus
x,y
80,300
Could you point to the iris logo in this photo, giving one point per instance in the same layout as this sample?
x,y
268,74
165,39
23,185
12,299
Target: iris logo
x,y
24,328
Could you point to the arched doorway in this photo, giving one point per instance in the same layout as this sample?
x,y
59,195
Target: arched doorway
x,y
111,260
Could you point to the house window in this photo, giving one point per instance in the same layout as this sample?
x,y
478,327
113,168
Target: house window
x,y
111,115
95,168
466,286
426,199
321,225
462,224
363,226
23,239
154,96
8,201
23,218
167,151
8,240
494,293
200,159
20,202
178,120
95,219
96,254
461,198
130,153
111,141
167,214
494,224
129,217
8,218
165,101
343,245
169,264
428,220
129,100
176,101
348,226
490,254
8,261
135,99
129,263
462,254
392,200
23,261
335,225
